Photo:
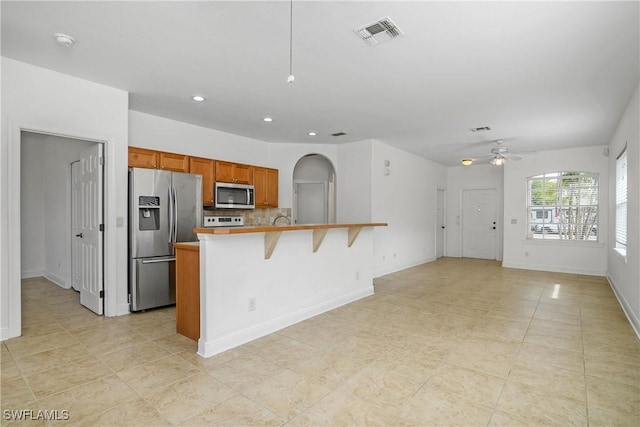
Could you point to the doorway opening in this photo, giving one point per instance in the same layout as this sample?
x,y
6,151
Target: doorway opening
x,y
314,190
62,214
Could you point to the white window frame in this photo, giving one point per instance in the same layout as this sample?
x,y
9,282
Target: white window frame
x,y
556,229
621,203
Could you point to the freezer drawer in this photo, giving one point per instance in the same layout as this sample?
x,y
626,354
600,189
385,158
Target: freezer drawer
x,y
152,282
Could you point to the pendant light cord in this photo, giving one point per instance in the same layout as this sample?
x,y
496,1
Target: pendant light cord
x,y
291,38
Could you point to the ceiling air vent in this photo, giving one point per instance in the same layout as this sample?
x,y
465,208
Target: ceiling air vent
x,y
379,31
338,134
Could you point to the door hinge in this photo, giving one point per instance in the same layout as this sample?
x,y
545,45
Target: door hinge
x,y
101,294
128,298
101,160
101,227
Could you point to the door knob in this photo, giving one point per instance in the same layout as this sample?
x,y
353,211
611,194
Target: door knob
x,y
79,235
443,227
494,228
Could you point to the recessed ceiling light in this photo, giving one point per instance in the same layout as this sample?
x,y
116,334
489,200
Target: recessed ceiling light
x,y
64,39
267,119
198,98
467,162
312,134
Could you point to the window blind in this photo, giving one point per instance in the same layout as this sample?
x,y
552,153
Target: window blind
x,y
621,200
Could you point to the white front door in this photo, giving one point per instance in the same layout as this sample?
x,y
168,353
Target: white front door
x,y
89,237
479,223
439,223
310,202
76,212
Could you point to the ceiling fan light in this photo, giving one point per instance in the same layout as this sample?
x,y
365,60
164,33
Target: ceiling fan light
x,y
497,161
467,162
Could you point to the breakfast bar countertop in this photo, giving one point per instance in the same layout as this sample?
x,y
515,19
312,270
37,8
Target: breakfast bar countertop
x,y
287,227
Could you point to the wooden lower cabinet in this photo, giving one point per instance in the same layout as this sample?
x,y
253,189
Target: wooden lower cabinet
x,y
188,289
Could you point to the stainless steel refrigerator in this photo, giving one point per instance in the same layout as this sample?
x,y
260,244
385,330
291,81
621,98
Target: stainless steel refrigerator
x,y
164,207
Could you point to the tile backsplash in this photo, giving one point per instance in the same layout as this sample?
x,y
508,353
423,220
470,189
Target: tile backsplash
x,y
251,216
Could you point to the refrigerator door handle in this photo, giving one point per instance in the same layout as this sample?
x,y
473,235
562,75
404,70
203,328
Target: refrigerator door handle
x,y
170,211
175,215
155,261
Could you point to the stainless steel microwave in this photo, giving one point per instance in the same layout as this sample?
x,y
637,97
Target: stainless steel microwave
x,y
234,196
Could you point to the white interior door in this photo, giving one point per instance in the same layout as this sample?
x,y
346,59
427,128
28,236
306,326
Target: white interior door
x,y
440,227
479,223
76,212
90,236
311,202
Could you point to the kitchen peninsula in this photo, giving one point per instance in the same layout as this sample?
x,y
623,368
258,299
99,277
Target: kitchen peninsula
x,y
258,280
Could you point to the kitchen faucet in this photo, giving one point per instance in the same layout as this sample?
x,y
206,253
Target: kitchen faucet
x,y
280,216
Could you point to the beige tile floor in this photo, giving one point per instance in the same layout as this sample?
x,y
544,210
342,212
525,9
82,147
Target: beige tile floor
x,y
454,342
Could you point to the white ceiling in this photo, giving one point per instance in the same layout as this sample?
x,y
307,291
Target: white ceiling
x,y
542,75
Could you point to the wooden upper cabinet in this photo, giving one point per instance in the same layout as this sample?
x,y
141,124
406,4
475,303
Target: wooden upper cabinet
x,y
206,168
265,181
143,158
234,172
174,162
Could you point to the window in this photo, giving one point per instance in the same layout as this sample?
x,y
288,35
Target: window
x,y
563,206
621,202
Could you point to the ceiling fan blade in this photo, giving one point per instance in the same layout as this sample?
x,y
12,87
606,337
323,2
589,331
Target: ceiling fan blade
x,y
512,156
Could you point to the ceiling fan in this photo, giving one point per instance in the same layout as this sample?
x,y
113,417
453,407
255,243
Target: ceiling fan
x,y
499,155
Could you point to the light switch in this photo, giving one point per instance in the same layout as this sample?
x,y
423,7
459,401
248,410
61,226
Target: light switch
x,y
119,222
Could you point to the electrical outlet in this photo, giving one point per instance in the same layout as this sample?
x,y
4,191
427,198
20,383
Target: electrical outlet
x,y
252,304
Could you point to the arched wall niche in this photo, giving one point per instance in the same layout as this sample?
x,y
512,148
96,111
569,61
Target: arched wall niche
x,y
314,190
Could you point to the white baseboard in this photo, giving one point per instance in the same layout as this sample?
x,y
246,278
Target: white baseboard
x,y
553,268
122,309
626,308
396,268
29,274
211,348
56,279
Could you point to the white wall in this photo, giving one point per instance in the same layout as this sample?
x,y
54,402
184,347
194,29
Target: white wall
x,y
624,274
159,133
163,134
459,178
562,256
41,100
32,209
406,200
354,190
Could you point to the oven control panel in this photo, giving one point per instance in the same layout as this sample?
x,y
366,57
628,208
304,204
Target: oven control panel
x,y
223,221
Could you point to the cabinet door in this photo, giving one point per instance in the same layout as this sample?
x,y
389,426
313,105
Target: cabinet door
x,y
224,172
265,181
174,162
260,187
206,168
243,174
272,188
143,158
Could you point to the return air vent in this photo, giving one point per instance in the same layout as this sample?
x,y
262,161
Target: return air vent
x,y
379,31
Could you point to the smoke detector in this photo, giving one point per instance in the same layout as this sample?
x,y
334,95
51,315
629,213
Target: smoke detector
x,y
379,31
